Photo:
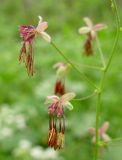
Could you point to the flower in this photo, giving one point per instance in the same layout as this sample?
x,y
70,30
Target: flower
x,y
28,33
61,72
90,29
56,118
102,133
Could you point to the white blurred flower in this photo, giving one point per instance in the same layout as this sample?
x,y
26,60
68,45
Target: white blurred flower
x,y
23,148
40,154
36,152
6,132
20,121
25,144
10,119
50,154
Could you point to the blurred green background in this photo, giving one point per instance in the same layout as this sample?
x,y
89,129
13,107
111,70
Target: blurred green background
x,y
23,115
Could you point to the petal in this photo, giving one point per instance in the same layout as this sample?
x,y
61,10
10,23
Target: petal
x,y
99,26
67,97
40,19
46,36
92,131
58,65
51,99
104,127
41,26
88,22
84,30
106,137
69,106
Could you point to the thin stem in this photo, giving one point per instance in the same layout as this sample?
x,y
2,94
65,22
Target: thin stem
x,y
89,66
100,52
117,34
102,81
85,98
97,124
73,66
103,77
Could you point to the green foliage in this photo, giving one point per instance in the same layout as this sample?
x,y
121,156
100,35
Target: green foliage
x,y
24,96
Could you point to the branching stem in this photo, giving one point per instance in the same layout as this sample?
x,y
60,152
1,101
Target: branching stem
x,y
104,75
85,98
83,76
100,52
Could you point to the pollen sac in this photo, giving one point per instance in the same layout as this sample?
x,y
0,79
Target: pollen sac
x,y
59,88
56,132
26,56
88,47
60,141
27,33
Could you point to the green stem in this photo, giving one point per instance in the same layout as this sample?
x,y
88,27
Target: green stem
x,y
100,51
73,66
85,98
97,124
89,66
103,77
117,34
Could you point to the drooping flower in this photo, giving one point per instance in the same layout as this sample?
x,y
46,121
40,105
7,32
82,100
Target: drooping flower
x,y
28,33
57,118
102,133
90,29
61,72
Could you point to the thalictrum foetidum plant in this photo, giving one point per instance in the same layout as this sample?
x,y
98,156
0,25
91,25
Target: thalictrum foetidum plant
x,y
60,100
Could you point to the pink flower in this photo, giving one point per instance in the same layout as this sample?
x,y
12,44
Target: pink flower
x,y
56,118
90,30
102,133
28,33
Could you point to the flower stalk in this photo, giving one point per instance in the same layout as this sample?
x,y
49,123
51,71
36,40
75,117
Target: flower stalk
x,y
104,75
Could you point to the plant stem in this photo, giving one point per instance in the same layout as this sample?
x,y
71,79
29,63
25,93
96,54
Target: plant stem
x,y
104,75
85,98
117,34
97,124
73,66
100,51
89,66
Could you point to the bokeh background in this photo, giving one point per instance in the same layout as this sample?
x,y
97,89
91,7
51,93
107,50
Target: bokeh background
x,y
23,115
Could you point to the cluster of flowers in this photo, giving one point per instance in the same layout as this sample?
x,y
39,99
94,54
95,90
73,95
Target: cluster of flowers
x,y
60,99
